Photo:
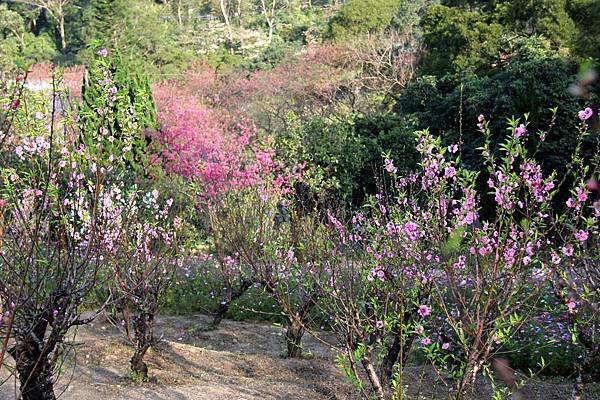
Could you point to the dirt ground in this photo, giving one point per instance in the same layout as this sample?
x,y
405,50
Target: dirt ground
x,y
239,361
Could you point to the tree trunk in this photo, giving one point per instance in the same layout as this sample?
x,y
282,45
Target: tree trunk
x,y
270,22
144,337
373,377
225,13
179,20
584,377
467,383
239,13
233,296
392,357
293,337
61,31
34,370
393,351
269,19
220,314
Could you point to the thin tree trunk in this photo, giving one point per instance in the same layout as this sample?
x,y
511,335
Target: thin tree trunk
x,y
373,377
225,13
224,306
179,20
239,12
270,30
269,18
293,337
61,29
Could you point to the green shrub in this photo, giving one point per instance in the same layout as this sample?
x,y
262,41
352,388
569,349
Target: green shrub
x,y
126,116
344,158
362,16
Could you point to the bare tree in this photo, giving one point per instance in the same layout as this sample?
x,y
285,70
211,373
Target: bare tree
x,y
386,61
269,9
225,10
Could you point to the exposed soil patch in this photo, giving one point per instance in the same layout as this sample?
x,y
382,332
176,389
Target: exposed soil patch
x,y
240,360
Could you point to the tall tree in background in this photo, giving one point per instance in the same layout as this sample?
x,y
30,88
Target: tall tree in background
x,y
585,15
102,20
56,10
548,18
269,7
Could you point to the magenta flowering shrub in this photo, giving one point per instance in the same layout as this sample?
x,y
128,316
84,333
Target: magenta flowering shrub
x,y
426,268
377,290
573,258
489,266
206,145
492,269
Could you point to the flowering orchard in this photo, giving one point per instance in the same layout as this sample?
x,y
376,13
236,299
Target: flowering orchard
x,y
445,268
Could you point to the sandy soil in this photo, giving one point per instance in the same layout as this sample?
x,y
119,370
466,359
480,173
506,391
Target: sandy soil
x,y
239,361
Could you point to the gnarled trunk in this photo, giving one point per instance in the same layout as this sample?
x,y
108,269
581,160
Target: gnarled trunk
x,y
467,383
144,338
397,352
33,366
584,377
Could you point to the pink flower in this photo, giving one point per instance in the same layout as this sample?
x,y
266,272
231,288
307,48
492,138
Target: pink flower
x,y
102,52
480,118
425,341
3,203
460,263
582,235
280,181
520,130
592,185
424,310
585,114
570,203
581,195
449,173
453,148
445,346
290,255
567,250
419,330
379,324
389,166
571,305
